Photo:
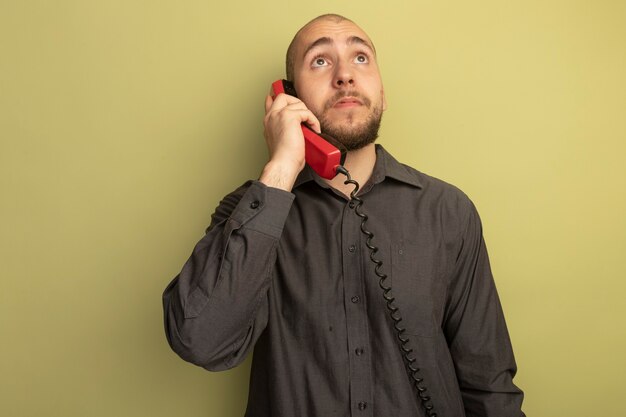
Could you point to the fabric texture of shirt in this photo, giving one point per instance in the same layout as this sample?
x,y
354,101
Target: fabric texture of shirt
x,y
288,275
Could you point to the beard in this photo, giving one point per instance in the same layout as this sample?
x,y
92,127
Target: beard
x,y
352,133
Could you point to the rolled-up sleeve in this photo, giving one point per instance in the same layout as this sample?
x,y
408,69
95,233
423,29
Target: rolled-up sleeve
x,y
216,308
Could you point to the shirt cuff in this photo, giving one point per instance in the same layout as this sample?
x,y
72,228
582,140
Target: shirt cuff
x,y
263,209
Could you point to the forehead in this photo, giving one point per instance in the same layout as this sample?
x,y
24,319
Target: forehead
x,y
339,32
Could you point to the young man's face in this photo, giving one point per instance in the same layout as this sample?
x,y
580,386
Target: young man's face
x,y
337,77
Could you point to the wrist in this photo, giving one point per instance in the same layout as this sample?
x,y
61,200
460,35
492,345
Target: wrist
x,y
280,174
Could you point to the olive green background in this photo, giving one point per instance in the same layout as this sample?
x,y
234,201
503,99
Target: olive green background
x,y
123,123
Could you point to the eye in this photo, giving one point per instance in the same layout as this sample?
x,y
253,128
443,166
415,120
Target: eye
x,y
319,62
361,59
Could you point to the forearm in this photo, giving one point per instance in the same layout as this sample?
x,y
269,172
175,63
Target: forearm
x,y
216,307
485,364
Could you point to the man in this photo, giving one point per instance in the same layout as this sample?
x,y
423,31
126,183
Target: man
x,y
285,269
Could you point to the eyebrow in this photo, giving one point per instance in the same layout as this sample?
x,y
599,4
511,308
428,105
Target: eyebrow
x,y
328,41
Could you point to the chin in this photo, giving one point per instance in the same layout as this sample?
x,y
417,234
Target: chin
x,y
353,136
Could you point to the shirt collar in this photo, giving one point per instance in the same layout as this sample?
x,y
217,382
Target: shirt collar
x,y
386,166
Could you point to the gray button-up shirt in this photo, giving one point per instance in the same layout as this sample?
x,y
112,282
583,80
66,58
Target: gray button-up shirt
x,y
289,275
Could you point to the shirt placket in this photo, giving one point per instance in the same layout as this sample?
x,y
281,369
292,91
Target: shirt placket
x,y
356,316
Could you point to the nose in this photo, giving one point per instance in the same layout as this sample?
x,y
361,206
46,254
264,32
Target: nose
x,y
344,76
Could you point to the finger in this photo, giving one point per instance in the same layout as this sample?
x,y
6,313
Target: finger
x,y
307,117
268,103
299,105
276,109
283,100
314,123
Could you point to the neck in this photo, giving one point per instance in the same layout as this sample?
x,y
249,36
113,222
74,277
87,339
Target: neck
x,y
360,163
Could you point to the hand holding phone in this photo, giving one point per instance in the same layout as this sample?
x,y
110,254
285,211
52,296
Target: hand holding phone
x,y
322,152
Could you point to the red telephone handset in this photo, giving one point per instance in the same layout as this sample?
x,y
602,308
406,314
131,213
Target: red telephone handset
x,y
322,152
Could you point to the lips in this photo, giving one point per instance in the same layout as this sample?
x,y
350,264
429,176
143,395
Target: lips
x,y
347,99
348,102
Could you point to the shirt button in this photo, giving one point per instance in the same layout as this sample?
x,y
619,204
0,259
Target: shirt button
x,y
255,204
362,405
355,299
358,351
352,248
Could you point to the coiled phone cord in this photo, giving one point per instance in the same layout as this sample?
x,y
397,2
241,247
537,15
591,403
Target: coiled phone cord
x,y
392,309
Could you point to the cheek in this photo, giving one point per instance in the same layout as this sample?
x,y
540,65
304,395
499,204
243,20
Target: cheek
x,y
312,101
303,89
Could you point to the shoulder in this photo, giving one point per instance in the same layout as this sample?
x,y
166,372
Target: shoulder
x,y
443,205
430,190
444,194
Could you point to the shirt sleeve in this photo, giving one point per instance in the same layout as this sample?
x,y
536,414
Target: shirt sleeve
x,y
476,331
216,308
